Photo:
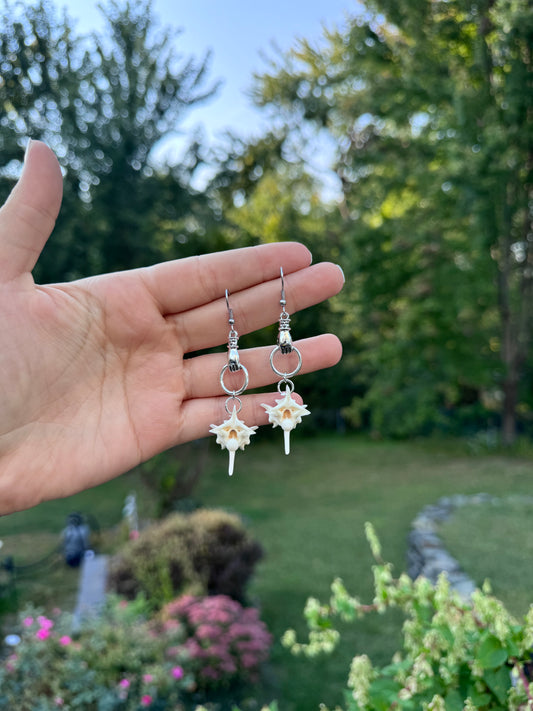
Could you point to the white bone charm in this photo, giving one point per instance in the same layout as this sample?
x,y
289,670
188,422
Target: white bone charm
x,y
287,414
232,434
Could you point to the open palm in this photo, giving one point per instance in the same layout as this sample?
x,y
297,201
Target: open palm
x,y
92,373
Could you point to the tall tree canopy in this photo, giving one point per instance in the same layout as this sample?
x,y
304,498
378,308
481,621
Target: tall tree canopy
x,y
430,105
103,103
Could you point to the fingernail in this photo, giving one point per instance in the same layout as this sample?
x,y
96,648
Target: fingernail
x,y
342,272
27,148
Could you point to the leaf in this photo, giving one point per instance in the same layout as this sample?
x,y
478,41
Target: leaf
x,y
479,698
454,701
349,702
446,633
499,682
491,653
382,693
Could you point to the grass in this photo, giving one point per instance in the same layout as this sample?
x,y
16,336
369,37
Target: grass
x,y
499,548
308,510
30,536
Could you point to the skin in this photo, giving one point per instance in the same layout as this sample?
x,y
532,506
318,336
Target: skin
x,y
93,379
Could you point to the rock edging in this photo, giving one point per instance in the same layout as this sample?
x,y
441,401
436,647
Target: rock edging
x,y
426,554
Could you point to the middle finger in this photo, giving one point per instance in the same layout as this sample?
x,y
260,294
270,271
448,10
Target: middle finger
x,y
256,307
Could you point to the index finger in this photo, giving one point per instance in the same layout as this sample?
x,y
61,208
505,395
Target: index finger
x,y
184,284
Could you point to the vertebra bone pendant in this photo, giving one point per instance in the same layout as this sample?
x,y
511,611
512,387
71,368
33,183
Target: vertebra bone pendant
x,y
287,413
232,435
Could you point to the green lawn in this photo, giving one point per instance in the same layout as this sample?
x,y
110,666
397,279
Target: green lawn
x,y
308,510
500,547
30,536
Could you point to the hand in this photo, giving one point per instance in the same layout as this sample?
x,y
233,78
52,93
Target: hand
x,y
92,375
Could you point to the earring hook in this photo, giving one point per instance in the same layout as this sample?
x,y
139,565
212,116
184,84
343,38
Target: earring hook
x,y
233,342
230,310
282,301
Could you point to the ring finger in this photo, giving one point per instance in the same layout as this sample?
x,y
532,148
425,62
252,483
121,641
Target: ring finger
x,y
202,373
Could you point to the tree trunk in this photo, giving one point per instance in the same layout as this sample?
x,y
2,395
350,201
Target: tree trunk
x,y
510,394
509,349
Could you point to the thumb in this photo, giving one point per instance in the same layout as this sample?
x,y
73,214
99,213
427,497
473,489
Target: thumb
x,y
28,217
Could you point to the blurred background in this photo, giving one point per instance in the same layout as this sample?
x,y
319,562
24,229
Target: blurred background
x,y
394,138
395,141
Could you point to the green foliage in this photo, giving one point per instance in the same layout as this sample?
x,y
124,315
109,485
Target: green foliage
x,y
313,532
456,654
205,552
173,475
271,707
103,104
122,660
118,662
265,196
428,105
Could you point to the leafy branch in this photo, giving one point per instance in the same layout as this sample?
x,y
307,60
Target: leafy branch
x,y
457,654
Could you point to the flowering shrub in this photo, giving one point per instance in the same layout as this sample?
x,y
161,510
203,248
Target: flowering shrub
x,y
456,656
227,643
206,552
118,663
124,661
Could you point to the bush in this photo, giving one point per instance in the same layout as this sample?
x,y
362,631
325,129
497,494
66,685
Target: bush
x,y
227,643
173,475
205,552
125,661
456,656
121,662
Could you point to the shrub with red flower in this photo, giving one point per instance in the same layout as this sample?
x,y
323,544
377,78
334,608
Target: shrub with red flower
x,y
227,641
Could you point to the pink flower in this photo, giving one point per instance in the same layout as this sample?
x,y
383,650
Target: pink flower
x,y
45,623
248,661
27,621
42,634
65,640
134,535
146,700
228,665
177,672
207,631
58,701
124,683
147,678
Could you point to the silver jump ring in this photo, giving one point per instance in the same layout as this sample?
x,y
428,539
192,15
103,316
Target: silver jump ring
x,y
234,393
289,385
234,398
278,372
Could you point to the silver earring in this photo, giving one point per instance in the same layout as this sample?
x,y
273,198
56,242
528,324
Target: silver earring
x,y
286,413
233,434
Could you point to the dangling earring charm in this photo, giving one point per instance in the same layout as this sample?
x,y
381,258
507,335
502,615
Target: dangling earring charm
x,y
233,434
287,413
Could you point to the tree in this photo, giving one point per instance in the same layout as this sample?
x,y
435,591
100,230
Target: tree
x,y
430,106
265,195
104,103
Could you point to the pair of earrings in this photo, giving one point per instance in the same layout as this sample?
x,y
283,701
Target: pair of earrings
x,y
233,434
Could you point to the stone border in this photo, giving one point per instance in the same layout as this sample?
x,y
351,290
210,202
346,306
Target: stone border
x,y
426,554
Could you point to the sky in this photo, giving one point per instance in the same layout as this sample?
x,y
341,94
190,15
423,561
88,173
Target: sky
x,y
238,32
